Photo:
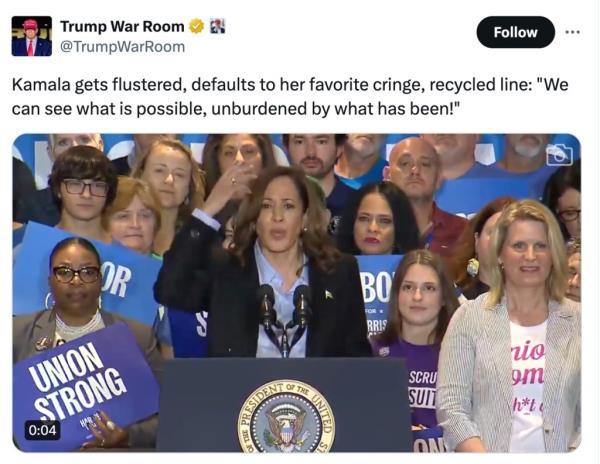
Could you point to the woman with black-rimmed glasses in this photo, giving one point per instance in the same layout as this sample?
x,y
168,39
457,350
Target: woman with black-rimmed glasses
x,y
83,184
562,195
75,282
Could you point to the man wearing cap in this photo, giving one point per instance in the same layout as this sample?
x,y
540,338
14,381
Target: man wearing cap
x,y
31,44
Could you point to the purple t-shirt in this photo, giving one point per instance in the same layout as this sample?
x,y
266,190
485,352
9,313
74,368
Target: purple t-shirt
x,y
421,365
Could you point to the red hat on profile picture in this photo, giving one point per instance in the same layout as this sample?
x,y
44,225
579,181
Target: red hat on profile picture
x,y
30,24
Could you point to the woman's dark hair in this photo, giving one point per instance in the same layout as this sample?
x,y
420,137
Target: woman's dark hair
x,y
564,178
82,162
210,156
464,249
393,329
315,241
84,243
406,231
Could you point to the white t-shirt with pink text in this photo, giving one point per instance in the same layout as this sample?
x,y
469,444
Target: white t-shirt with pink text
x,y
528,352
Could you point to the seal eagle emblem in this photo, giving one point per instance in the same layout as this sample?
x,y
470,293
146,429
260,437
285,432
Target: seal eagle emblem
x,y
286,416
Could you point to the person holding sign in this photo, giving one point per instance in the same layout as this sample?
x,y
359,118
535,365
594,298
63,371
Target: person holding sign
x,y
281,242
378,220
176,178
83,184
509,376
75,282
134,220
422,301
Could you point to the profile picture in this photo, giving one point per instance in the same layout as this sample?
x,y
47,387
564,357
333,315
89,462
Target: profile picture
x,y
217,26
31,36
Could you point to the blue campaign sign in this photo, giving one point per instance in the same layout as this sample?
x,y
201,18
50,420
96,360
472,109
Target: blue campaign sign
x,y
127,276
429,440
188,333
376,275
104,370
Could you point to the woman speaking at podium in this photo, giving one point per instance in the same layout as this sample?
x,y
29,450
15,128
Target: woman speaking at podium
x,y
279,241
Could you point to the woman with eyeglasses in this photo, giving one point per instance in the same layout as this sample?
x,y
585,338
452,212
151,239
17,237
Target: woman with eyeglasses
x,y
75,283
422,301
83,184
562,195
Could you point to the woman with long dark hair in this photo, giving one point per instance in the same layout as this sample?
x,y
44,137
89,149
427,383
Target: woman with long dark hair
x,y
422,301
280,240
378,220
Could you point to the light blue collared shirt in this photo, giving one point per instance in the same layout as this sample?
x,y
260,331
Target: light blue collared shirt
x,y
284,301
284,307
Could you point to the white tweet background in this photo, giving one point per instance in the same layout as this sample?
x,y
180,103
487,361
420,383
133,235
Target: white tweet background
x,y
330,40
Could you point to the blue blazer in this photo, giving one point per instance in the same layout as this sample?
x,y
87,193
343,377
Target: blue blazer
x,y
42,48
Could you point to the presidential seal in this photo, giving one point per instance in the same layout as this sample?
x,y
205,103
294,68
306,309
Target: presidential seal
x,y
286,416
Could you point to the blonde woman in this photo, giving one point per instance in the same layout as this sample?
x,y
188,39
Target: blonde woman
x,y
510,364
171,171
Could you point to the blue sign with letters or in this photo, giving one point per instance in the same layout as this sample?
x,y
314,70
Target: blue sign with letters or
x,y
127,277
376,275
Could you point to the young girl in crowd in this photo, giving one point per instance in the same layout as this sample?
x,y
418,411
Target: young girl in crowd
x,y
422,301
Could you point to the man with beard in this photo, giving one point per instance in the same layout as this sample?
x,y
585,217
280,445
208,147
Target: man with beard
x,y
416,169
525,160
360,162
316,155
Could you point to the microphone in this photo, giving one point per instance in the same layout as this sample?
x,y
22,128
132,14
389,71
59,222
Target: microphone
x,y
266,297
302,311
268,316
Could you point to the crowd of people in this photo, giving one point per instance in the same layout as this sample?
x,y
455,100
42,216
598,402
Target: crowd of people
x,y
469,303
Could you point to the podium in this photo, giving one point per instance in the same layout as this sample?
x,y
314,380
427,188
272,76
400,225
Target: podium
x,y
285,405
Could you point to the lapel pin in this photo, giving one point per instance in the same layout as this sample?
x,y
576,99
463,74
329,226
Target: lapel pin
x,y
43,344
328,295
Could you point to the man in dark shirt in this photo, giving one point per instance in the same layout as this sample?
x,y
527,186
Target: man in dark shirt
x,y
415,167
316,155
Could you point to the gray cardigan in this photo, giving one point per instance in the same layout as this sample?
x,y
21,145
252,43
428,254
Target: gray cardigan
x,y
474,387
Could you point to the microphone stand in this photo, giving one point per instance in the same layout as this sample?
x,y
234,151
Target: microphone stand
x,y
285,346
